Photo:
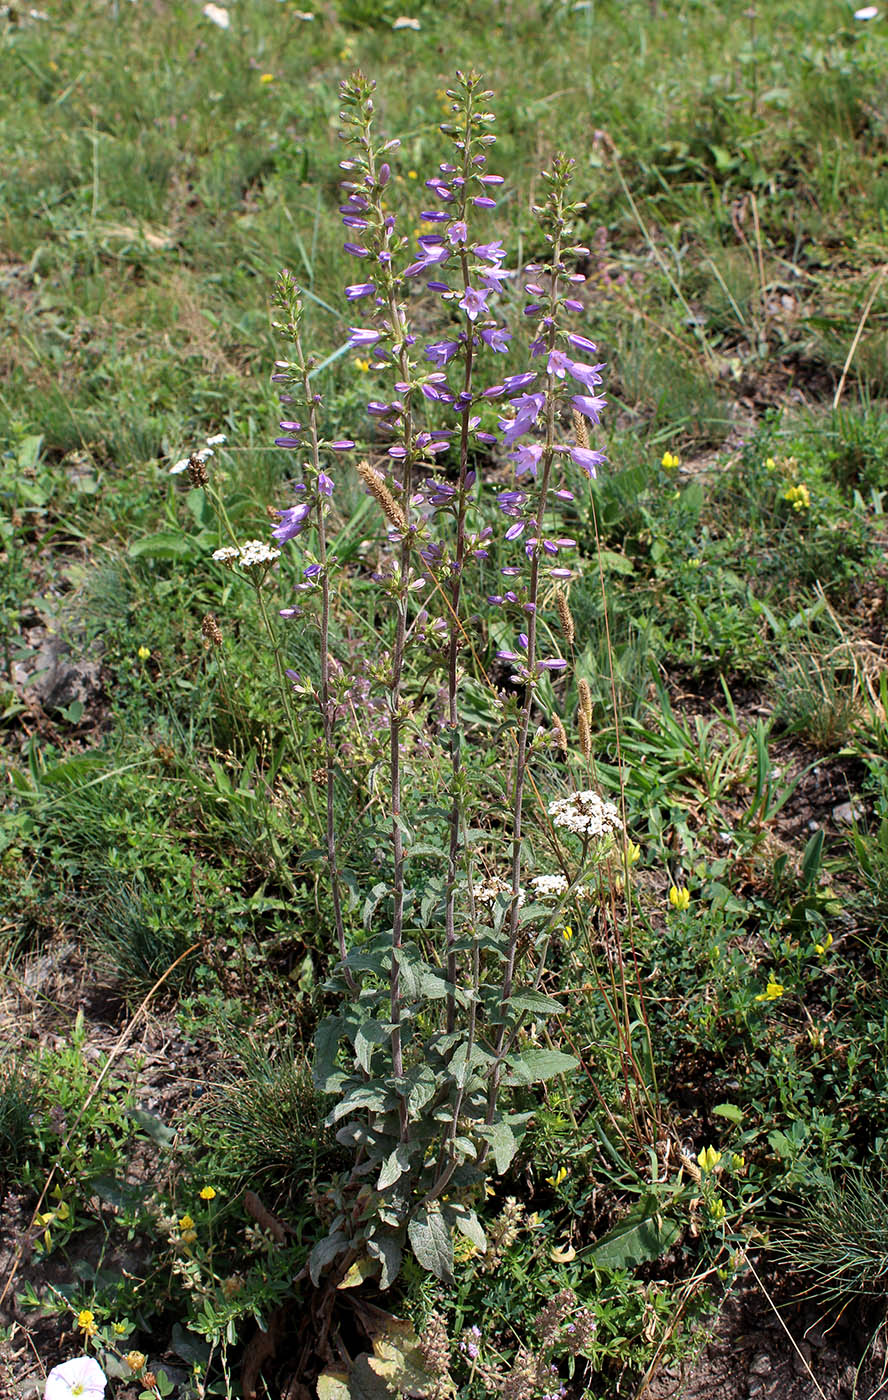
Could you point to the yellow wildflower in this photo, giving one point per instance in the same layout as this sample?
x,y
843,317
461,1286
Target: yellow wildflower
x,y
186,1223
669,461
412,175
560,1175
362,365
118,1328
738,1161
87,1323
143,653
679,897
717,1209
463,1250
207,1193
266,77
136,1360
189,1236
567,933
633,852
770,464
820,948
798,496
773,990
563,1255
709,1158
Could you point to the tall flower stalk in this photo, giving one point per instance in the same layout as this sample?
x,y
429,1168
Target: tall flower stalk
x,y
532,510
422,1049
319,489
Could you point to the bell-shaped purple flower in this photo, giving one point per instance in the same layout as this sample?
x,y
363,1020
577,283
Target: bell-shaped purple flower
x,y
474,302
590,405
497,338
587,375
588,459
293,521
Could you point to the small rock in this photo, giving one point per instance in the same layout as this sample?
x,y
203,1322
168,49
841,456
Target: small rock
x,y
57,679
760,1365
847,814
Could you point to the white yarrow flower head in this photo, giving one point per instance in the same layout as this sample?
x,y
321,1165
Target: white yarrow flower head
x,y
80,1379
547,885
585,814
180,467
218,15
254,554
494,885
216,440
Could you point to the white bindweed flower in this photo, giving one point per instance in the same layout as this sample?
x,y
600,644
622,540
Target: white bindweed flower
x,y
180,467
585,814
868,12
80,1379
218,15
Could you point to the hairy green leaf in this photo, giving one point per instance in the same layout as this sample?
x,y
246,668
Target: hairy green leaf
x,y
432,1245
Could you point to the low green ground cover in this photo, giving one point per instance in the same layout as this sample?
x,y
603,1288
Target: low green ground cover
x,y
723,994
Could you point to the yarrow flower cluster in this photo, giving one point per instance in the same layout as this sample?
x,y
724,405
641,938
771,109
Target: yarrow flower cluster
x,y
585,814
251,555
491,889
546,885
551,886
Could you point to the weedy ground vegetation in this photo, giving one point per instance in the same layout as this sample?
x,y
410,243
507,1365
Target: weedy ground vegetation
x,y
570,886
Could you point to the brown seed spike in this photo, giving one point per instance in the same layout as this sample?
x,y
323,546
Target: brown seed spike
x,y
564,617
378,489
585,734
585,698
197,470
581,432
560,734
211,630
